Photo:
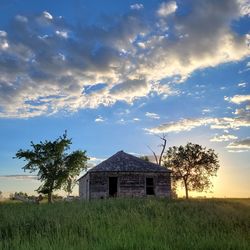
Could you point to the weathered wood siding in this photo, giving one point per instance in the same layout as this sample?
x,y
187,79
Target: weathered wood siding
x,y
162,185
130,184
84,187
99,185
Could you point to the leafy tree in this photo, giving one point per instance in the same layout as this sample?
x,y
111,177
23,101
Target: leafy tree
x,y
69,185
193,165
54,165
1,194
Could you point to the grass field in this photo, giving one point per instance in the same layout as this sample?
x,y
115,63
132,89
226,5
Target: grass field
x,y
127,224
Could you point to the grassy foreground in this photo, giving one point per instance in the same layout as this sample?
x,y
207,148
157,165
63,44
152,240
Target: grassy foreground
x,y
127,224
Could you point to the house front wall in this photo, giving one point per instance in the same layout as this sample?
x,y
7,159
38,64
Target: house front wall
x,y
129,184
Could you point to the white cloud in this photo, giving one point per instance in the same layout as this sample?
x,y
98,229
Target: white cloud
x,y
63,34
242,112
242,84
3,33
206,110
3,44
182,125
242,119
238,99
244,7
47,15
166,9
99,119
237,150
240,145
136,119
19,177
94,160
152,115
3,41
22,19
35,79
141,45
136,6
220,138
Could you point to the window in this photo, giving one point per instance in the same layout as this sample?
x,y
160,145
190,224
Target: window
x,y
150,186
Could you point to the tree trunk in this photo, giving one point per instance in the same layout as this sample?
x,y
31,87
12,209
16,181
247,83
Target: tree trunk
x,y
186,189
50,199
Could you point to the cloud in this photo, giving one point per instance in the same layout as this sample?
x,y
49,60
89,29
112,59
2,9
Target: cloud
x,y
152,115
237,150
63,34
94,160
206,110
166,9
130,90
3,33
3,40
182,125
244,7
99,119
221,138
242,84
238,99
46,63
19,177
136,6
241,119
240,145
47,15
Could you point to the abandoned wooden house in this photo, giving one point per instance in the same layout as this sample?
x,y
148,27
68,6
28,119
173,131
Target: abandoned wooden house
x,y
124,175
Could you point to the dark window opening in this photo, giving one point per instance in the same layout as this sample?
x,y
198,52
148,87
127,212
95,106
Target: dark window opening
x,y
112,186
150,186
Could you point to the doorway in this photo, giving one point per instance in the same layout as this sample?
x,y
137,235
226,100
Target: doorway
x,y
112,186
150,186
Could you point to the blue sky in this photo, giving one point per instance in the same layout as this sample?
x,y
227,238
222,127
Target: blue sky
x,y
116,73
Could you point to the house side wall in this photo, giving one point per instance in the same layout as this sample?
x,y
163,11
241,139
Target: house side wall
x,y
130,184
84,187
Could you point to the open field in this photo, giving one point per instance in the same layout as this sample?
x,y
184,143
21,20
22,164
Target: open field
x,y
127,224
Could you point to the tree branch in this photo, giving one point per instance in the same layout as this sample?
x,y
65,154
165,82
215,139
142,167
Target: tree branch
x,y
163,137
156,158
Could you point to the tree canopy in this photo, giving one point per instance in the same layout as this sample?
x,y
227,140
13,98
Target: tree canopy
x,y
55,167
193,165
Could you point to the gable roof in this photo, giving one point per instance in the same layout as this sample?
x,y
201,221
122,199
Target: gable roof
x,y
123,162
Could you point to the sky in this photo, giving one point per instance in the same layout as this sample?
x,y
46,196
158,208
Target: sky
x,y
115,74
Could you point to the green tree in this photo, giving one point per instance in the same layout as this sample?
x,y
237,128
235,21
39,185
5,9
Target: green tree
x,y
69,185
193,166
53,164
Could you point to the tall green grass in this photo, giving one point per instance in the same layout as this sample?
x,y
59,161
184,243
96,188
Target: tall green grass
x,y
127,224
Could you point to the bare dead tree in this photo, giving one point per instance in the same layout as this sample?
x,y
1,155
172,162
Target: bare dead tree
x,y
163,145
156,158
